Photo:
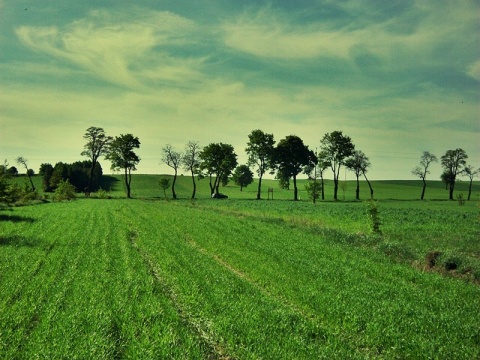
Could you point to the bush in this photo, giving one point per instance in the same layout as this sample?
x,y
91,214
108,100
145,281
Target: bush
x,y
102,194
373,216
64,191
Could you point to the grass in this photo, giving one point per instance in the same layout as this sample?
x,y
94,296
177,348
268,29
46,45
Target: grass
x,y
238,278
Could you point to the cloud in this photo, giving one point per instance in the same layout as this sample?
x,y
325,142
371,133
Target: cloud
x,y
111,48
473,70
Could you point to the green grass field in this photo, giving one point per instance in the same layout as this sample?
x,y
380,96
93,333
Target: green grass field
x,y
239,278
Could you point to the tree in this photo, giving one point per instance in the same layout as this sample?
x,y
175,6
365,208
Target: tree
x,y
452,162
313,187
174,160
122,156
260,149
46,170
22,161
191,163
96,146
164,184
336,148
422,171
12,171
445,177
242,176
471,173
218,160
358,163
291,156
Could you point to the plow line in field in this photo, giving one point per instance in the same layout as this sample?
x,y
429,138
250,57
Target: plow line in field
x,y
216,350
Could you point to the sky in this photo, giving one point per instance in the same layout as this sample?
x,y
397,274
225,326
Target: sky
x,y
397,77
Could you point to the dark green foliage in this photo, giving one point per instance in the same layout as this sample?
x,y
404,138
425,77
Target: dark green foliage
x,y
64,191
78,175
218,161
374,217
122,156
336,148
314,189
242,176
291,156
453,162
164,184
260,150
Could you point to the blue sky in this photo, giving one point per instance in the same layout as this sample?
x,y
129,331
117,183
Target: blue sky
x,y
398,77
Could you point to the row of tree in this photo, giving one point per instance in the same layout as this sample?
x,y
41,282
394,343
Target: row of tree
x,y
291,157
218,162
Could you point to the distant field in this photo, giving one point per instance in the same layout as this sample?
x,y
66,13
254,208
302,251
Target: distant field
x,y
239,278
147,186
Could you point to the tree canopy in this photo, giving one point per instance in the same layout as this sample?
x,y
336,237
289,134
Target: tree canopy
x,y
122,156
96,146
453,161
291,156
218,161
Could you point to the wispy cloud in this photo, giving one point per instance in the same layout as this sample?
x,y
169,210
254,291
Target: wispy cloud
x,y
112,48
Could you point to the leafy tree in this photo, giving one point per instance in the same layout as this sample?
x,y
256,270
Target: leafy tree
x,y
96,146
22,161
471,173
445,177
336,148
358,163
452,162
122,156
12,171
422,171
260,150
191,162
243,176
283,179
164,184
217,160
291,156
315,171
46,170
173,159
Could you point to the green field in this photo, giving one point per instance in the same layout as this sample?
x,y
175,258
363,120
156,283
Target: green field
x,y
239,278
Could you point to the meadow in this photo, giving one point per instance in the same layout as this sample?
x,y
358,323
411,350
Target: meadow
x,y
240,278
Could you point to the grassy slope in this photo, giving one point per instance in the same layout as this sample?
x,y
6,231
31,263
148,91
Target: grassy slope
x,y
156,279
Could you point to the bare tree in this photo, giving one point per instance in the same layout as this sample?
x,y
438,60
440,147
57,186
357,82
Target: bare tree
x,y
471,173
173,159
191,162
422,171
22,161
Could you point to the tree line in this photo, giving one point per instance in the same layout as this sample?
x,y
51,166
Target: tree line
x,y
217,162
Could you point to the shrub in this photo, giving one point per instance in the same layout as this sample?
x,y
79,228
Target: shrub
x,y
64,191
373,216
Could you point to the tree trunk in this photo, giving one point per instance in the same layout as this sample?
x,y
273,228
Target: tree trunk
x,y
194,185
295,190
470,189
33,186
450,195
174,196
259,187
370,186
127,182
423,189
357,190
323,191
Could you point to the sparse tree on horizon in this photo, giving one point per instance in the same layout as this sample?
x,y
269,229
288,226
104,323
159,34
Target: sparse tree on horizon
x,y
358,163
242,176
336,148
260,149
191,163
23,161
122,156
96,146
422,171
218,160
471,172
452,162
291,156
174,160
